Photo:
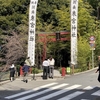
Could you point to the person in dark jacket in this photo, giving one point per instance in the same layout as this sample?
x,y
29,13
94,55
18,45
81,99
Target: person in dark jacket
x,y
98,70
12,72
25,71
45,65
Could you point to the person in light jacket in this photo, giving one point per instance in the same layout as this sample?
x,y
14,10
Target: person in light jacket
x,y
28,61
51,67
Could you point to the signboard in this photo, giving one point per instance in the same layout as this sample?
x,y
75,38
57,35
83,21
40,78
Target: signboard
x,y
32,25
68,69
92,38
74,16
92,42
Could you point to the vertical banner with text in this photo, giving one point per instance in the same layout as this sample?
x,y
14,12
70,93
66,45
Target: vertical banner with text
x,y
32,26
74,16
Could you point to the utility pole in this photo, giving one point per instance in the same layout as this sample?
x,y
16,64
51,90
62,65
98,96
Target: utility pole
x,y
98,9
92,45
92,58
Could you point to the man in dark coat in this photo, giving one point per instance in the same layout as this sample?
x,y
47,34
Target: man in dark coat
x,y
25,70
45,65
98,68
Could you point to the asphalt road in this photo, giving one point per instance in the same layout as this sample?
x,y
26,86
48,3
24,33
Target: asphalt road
x,y
82,86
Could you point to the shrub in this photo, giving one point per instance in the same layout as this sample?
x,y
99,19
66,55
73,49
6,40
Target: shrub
x,y
36,70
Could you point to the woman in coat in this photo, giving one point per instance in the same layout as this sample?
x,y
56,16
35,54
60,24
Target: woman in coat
x,y
12,72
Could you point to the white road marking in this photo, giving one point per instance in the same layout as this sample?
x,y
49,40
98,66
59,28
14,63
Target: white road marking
x,y
88,88
35,89
84,99
42,92
58,92
71,96
96,93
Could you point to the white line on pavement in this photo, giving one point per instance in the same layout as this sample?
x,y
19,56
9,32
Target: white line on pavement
x,y
42,92
35,89
88,88
71,96
96,93
59,92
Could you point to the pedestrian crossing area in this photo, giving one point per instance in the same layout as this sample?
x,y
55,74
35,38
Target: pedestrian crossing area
x,y
58,91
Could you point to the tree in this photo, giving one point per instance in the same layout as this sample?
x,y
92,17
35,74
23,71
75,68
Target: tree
x,y
13,22
52,16
84,53
14,52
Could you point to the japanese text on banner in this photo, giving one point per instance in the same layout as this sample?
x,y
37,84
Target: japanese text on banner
x,y
74,16
32,26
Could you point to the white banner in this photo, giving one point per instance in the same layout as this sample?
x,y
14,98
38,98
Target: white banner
x,y
32,25
74,16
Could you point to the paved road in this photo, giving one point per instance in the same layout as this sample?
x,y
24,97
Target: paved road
x,y
76,87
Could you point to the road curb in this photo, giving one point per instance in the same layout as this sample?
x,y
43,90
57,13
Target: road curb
x,y
37,77
81,72
4,82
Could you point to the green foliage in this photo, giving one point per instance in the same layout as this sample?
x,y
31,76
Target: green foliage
x,y
52,16
86,21
97,46
36,70
52,13
84,53
61,19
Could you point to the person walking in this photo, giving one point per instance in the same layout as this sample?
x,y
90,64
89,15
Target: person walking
x,y
45,65
28,61
51,67
12,72
98,68
25,71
